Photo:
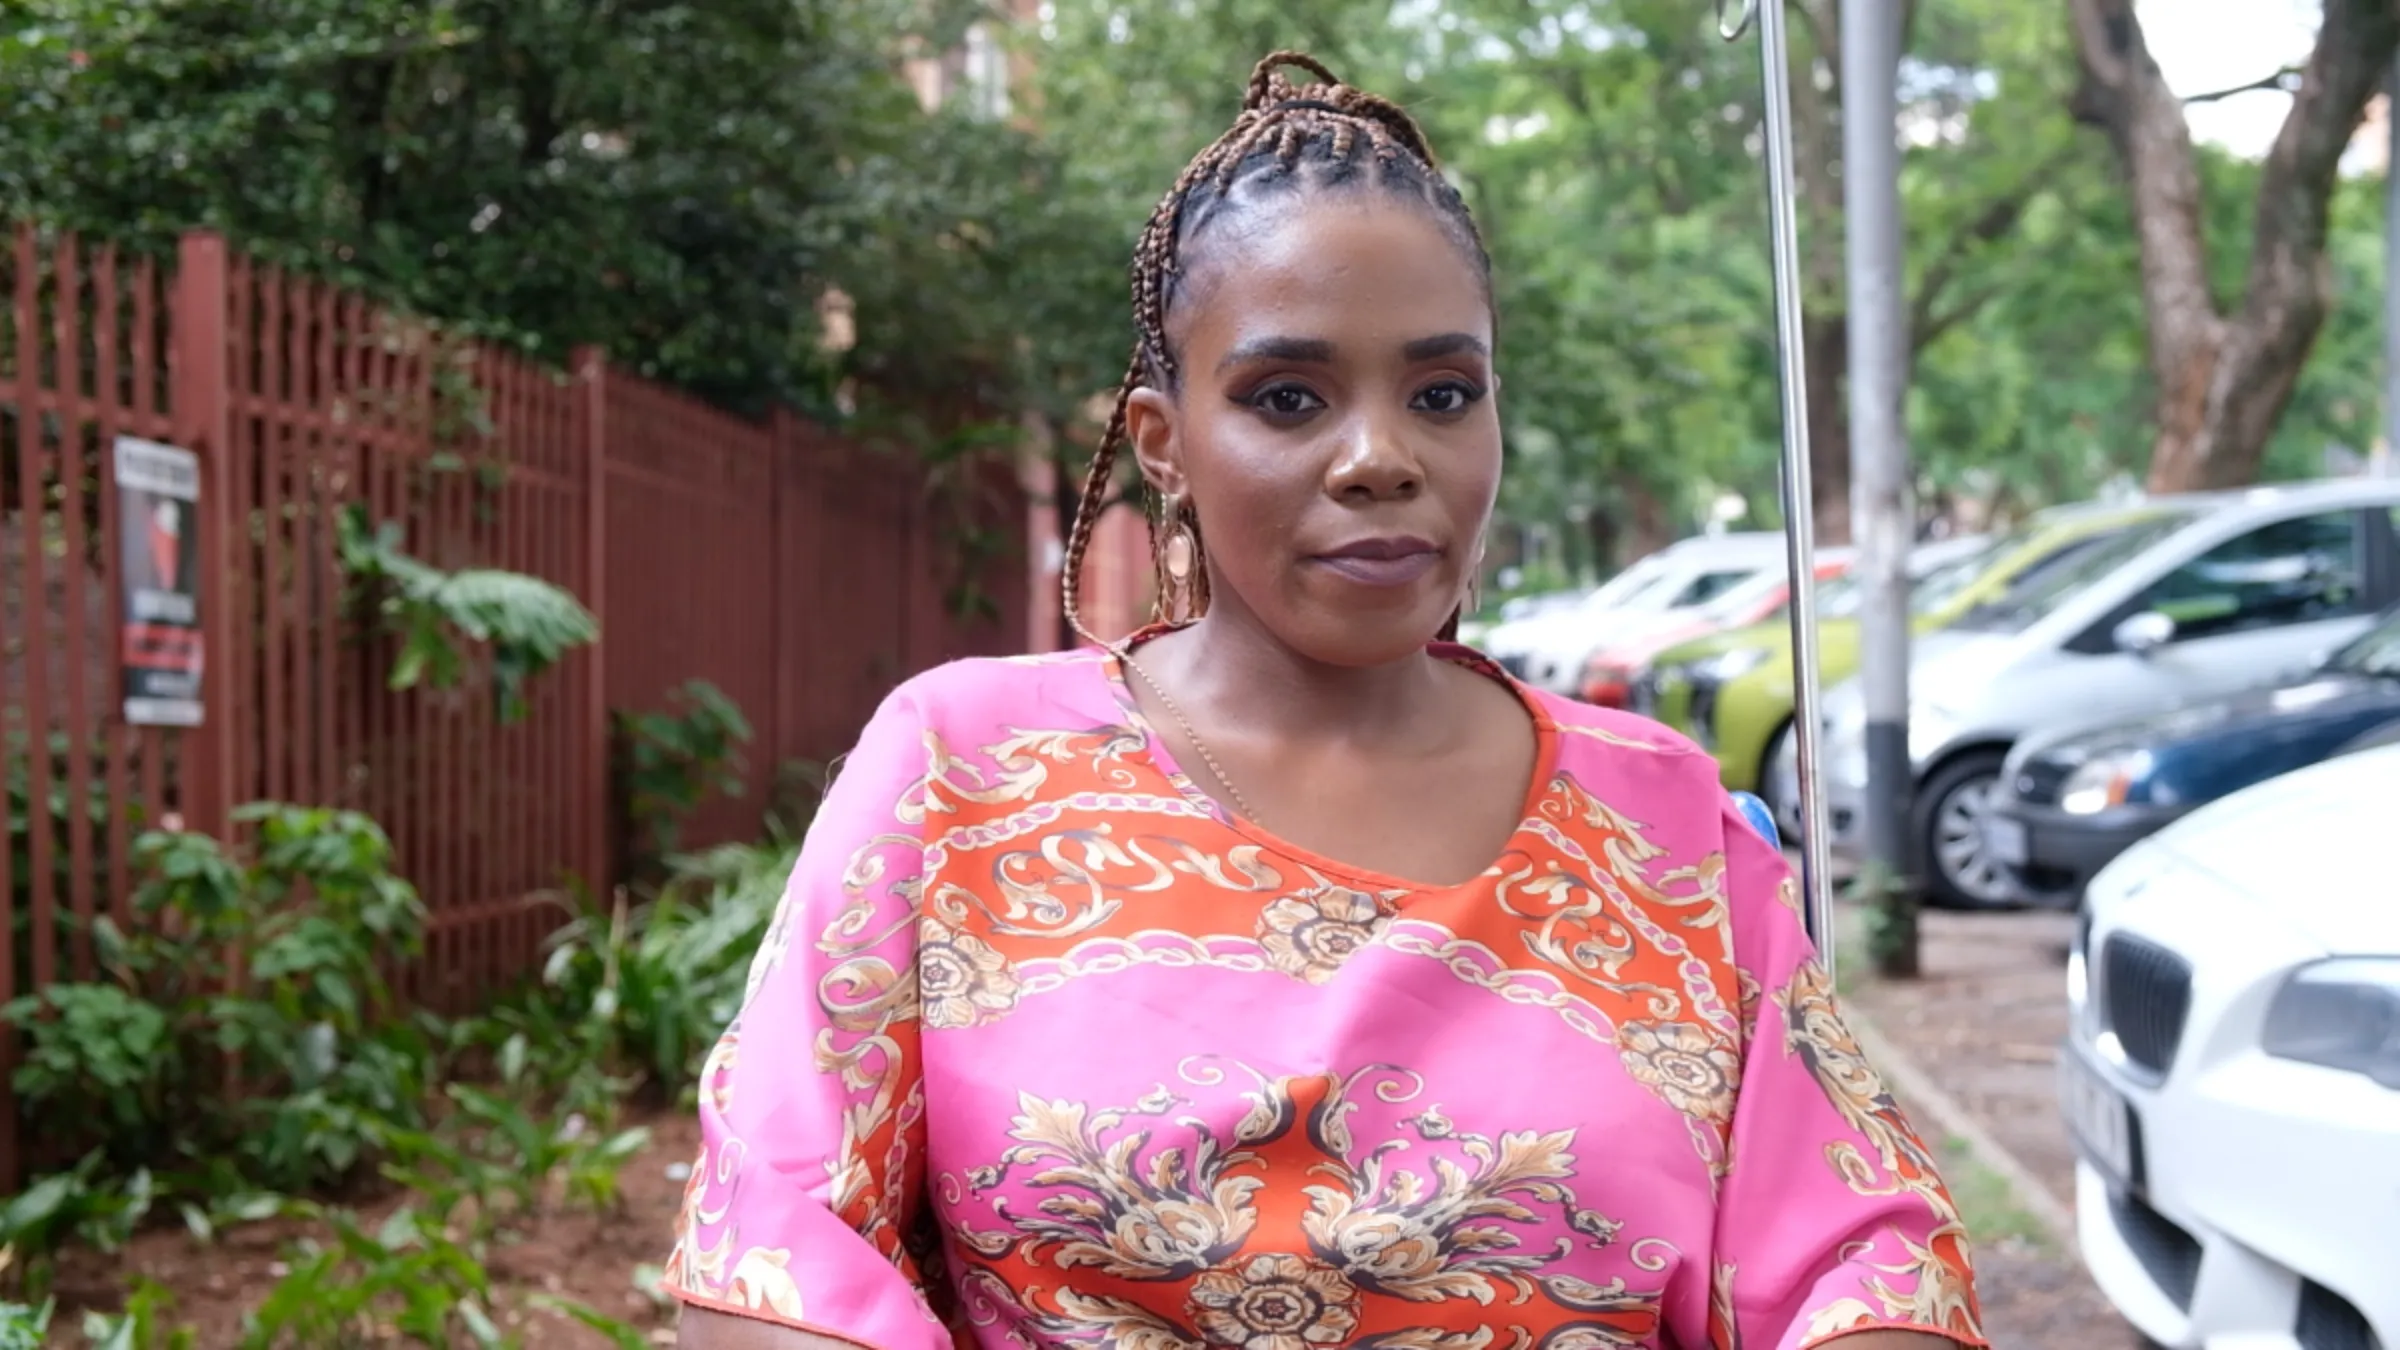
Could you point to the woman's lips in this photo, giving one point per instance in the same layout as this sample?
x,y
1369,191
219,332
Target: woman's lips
x,y
1382,562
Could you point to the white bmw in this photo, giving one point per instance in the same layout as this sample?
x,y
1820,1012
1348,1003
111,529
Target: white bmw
x,y
2232,1076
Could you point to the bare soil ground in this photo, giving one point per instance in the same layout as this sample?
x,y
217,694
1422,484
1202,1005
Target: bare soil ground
x,y
605,1262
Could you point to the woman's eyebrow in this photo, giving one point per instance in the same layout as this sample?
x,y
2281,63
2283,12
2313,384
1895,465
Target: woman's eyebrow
x,y
1316,351
1448,344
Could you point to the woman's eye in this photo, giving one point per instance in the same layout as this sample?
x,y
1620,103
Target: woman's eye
x,y
1449,398
1286,400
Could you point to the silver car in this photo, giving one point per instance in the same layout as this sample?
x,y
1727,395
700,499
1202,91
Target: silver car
x,y
2221,592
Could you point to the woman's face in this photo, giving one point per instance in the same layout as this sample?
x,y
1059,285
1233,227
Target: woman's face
x,y
1335,431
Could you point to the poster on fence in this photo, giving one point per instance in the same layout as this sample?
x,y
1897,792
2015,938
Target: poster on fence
x,y
158,554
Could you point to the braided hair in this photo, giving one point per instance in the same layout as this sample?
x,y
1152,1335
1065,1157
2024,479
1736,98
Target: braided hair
x,y
1324,136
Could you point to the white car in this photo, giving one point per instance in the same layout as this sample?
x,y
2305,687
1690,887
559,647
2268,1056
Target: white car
x,y
1548,650
2232,1076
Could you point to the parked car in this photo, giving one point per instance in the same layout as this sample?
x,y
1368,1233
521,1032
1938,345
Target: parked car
x,y
1660,590
1609,671
2231,1076
1733,694
2070,802
1475,630
2215,593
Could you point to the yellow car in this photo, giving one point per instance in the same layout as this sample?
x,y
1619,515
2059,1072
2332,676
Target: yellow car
x,y
1733,692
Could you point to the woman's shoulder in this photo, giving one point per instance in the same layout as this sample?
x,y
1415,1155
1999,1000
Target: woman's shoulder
x,y
1588,730
979,692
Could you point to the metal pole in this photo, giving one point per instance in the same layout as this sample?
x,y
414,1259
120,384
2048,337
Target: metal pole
x,y
1878,427
1799,529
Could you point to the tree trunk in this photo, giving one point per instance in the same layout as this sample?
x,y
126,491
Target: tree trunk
x,y
1646,528
1604,530
1825,318
2223,380
1825,337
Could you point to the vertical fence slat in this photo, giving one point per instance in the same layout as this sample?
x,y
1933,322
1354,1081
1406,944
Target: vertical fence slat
x,y
591,371
25,383
80,735
32,506
269,431
327,481
117,740
149,368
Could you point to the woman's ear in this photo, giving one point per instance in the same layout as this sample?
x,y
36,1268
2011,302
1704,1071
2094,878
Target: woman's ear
x,y
1151,425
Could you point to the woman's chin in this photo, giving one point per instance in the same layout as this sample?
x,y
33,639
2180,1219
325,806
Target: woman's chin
x,y
1360,636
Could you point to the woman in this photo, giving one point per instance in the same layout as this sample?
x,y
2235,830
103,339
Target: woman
x,y
1286,977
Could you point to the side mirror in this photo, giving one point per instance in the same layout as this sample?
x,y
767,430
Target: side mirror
x,y
2144,633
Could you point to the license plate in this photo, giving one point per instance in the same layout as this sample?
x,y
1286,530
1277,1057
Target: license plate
x,y
2100,1120
2005,840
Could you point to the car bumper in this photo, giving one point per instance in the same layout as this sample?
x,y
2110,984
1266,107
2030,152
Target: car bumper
x,y
2252,1202
2052,855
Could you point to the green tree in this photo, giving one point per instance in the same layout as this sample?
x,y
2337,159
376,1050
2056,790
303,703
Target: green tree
x,y
2226,353
681,183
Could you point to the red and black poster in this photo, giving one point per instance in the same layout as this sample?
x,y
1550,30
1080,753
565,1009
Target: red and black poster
x,y
158,553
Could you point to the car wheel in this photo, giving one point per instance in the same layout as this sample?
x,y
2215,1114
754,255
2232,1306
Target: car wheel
x,y
1959,872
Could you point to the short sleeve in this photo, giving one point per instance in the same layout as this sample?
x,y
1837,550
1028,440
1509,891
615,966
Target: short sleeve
x,y
1833,1218
812,1104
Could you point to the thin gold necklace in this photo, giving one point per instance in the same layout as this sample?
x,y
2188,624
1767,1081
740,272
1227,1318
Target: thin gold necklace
x,y
1174,710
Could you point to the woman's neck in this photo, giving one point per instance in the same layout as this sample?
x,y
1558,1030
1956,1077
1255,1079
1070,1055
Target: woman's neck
x,y
1234,675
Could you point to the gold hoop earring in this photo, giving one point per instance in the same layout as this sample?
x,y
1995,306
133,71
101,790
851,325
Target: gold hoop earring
x,y
1178,562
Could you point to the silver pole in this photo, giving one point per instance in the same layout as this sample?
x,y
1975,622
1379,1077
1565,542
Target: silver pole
x,y
1799,529
1881,519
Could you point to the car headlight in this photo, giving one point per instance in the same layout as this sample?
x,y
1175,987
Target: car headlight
x,y
2341,1014
2103,782
1732,665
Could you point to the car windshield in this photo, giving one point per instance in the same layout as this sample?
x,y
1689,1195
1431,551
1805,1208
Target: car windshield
x,y
1842,598
1619,591
1836,599
2375,652
2048,583
1743,597
1937,587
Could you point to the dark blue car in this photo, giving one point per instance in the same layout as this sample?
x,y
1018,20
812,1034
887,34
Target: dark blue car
x,y
2066,805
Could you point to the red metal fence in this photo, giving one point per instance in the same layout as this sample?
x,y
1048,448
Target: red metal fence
x,y
801,575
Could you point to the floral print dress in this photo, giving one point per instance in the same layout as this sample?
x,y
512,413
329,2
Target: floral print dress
x,y
1045,1048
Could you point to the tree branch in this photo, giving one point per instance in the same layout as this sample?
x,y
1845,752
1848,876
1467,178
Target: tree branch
x,y
1998,217
2286,81
2288,290
2122,91
1928,328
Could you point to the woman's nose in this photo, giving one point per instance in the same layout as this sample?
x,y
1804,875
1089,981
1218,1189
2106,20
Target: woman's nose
x,y
1376,463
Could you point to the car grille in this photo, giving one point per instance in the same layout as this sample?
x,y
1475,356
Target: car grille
x,y
2327,1321
2039,782
2147,993
2169,1255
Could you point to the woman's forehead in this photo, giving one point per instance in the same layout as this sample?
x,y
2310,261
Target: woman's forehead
x,y
1338,270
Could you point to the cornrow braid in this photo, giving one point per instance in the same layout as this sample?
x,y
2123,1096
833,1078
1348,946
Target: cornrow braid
x,y
1288,137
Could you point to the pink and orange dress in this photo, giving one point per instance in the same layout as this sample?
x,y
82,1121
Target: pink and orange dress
x,y
1046,1048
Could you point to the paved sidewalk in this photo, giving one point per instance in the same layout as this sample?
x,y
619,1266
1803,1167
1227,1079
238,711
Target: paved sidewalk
x,y
1981,1031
